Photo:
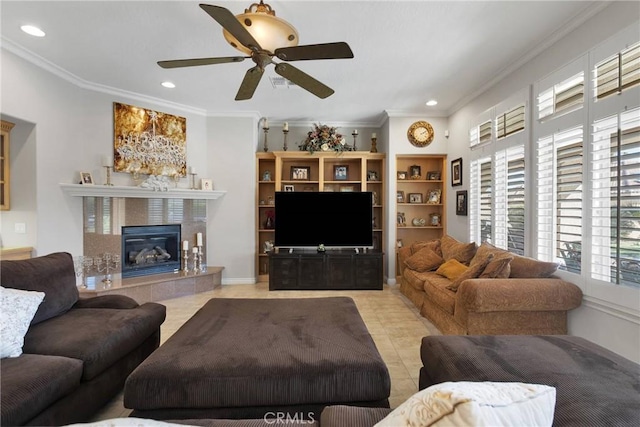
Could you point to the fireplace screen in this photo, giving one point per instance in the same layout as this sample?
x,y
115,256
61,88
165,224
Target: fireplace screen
x,y
150,249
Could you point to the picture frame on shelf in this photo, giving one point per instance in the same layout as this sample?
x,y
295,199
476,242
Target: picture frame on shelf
x,y
289,188
86,178
347,189
372,176
415,197
433,196
401,219
266,176
340,172
456,172
300,173
400,197
461,203
206,184
415,172
434,176
402,175
435,219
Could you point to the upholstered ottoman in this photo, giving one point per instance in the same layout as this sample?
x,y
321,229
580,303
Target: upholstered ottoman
x,y
594,386
247,358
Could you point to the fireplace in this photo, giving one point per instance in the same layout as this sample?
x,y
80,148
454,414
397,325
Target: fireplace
x,y
150,249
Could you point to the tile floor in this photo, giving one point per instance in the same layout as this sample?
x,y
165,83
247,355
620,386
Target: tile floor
x,y
393,321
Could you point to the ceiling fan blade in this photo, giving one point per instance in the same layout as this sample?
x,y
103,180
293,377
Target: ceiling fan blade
x,y
230,23
339,50
199,61
249,83
304,80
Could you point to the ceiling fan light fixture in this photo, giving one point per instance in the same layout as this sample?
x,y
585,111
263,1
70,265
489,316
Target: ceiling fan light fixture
x,y
267,29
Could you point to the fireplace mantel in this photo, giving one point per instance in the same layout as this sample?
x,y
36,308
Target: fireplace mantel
x,y
79,190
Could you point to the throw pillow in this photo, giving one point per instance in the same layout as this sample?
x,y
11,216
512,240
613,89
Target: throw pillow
x,y
474,270
525,267
432,244
18,309
476,404
454,249
424,260
452,269
497,269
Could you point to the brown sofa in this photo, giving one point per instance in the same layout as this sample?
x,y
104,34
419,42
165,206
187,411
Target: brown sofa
x,y
77,353
499,293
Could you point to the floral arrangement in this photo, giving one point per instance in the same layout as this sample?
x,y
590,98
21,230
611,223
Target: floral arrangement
x,y
324,138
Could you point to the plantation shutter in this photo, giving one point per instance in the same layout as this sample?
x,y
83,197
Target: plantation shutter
x,y
515,200
474,136
545,182
616,199
562,97
569,153
509,199
618,72
486,197
510,122
480,200
485,132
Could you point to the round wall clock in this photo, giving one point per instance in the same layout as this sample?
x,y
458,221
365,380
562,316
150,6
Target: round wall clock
x,y
420,134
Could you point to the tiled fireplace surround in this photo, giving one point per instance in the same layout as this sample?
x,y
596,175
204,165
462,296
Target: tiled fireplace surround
x,y
103,219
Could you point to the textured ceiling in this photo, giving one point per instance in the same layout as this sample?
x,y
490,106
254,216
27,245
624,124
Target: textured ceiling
x,y
406,52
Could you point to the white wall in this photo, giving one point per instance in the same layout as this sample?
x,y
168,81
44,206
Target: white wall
x,y
615,327
74,129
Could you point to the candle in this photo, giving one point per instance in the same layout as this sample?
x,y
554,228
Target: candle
x,y
355,131
185,245
195,250
192,170
285,126
107,161
199,239
265,123
373,135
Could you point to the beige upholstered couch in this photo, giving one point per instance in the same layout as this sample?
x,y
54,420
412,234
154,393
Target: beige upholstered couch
x,y
498,293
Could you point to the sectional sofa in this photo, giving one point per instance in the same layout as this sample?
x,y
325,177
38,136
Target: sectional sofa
x,y
76,353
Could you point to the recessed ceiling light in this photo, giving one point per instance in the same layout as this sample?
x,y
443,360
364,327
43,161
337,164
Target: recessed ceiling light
x,y
168,85
432,102
31,30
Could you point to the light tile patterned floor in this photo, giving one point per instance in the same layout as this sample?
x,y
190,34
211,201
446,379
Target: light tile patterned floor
x,y
394,323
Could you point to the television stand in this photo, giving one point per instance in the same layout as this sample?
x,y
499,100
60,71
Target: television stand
x,y
329,270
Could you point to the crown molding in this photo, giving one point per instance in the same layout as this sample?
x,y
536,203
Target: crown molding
x,y
54,69
573,23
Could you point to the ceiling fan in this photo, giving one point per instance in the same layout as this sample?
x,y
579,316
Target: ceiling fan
x,y
261,35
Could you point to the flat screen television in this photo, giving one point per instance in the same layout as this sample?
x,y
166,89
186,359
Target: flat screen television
x,y
334,219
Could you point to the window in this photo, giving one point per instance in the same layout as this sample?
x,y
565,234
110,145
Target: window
x,y
616,199
480,135
481,206
560,185
97,214
563,97
166,211
510,199
617,73
510,122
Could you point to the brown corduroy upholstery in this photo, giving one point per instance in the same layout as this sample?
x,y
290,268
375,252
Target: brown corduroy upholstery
x,y
237,354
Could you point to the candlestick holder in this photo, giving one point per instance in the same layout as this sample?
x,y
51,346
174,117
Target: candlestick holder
x,y
285,132
266,131
108,168
198,267
355,137
106,264
193,180
374,147
185,261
